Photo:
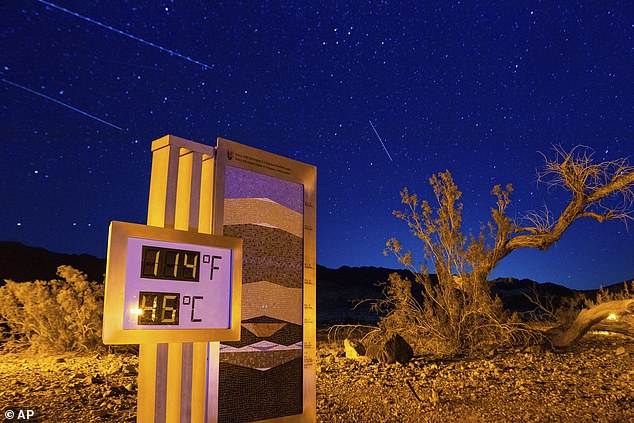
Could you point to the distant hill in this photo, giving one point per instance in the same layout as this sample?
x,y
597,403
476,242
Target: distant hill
x,y
338,290
341,292
20,263
346,294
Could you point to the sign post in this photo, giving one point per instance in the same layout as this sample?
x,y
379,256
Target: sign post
x,y
178,286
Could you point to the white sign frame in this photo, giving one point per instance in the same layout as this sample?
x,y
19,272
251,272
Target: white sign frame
x,y
114,294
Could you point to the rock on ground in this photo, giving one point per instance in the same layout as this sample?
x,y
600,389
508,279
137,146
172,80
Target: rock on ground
x,y
353,349
392,349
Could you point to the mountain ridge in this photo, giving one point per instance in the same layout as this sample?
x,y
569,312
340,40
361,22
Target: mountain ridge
x,y
344,294
20,263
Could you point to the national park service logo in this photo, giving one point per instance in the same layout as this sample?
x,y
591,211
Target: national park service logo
x,y
229,155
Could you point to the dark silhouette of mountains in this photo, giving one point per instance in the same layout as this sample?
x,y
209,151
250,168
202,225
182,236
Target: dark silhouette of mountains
x,y
338,290
345,295
20,263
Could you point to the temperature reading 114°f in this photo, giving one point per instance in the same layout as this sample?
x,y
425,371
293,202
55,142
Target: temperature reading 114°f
x,y
170,264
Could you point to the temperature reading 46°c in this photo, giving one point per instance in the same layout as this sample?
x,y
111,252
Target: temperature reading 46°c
x,y
163,308
158,308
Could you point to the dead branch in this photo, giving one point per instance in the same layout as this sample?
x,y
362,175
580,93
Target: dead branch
x,y
588,318
543,303
624,326
540,221
601,191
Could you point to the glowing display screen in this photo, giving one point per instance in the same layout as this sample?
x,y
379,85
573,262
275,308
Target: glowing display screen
x,y
163,263
158,308
173,285
168,285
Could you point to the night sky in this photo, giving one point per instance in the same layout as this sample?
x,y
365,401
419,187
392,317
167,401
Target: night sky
x,y
377,95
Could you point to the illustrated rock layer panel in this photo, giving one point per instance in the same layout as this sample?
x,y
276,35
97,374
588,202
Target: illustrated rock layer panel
x,y
261,376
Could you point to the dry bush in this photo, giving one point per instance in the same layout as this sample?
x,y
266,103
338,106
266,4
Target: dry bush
x,y
455,314
458,314
336,334
54,316
554,310
449,322
603,295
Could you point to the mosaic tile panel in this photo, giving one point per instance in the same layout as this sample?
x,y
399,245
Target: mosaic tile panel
x,y
246,184
263,330
261,360
263,212
269,254
265,298
261,398
262,346
261,375
287,335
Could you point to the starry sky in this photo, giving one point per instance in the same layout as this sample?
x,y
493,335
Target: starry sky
x,y
377,95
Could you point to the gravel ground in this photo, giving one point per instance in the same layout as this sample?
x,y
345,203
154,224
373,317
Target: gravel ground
x,y
594,382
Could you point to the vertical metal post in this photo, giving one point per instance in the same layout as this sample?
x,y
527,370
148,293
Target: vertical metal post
x,y
161,212
200,350
172,377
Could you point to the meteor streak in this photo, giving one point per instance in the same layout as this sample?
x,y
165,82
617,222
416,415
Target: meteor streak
x,y
68,106
125,34
380,140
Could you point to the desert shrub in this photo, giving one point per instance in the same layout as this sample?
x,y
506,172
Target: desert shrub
x,y
603,295
567,311
455,312
449,322
458,313
552,309
54,316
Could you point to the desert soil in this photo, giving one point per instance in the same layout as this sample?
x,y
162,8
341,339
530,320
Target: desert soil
x,y
593,382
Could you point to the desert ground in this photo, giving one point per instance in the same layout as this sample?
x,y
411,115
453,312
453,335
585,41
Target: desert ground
x,y
592,382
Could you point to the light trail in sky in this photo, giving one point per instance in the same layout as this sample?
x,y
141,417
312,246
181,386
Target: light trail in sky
x,y
68,106
125,34
380,140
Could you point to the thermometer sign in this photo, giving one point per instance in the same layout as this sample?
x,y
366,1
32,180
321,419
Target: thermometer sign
x,y
165,285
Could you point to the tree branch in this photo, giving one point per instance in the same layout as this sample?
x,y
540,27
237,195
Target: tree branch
x,y
588,318
590,183
620,183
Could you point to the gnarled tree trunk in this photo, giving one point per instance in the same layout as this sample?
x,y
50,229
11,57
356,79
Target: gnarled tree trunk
x,y
624,325
588,318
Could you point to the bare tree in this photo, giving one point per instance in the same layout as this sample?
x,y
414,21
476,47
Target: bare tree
x,y
460,304
601,191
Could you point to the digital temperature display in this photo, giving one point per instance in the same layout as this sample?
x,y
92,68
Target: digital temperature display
x,y
166,285
165,263
158,308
